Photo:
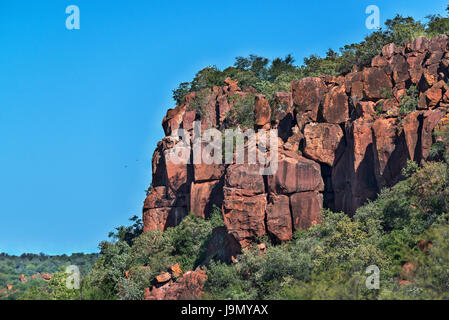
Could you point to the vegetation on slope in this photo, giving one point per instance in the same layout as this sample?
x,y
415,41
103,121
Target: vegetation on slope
x,y
405,233
13,267
268,77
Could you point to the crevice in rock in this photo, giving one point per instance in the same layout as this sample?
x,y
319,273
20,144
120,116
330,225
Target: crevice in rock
x,y
418,148
328,193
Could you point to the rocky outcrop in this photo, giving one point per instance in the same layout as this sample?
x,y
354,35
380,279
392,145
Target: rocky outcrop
x,y
188,287
341,140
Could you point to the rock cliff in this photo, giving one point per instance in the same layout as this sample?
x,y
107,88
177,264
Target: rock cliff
x,y
341,140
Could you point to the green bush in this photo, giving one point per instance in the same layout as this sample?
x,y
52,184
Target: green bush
x,y
242,113
409,102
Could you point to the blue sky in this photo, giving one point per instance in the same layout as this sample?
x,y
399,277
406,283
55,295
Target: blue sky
x,y
81,110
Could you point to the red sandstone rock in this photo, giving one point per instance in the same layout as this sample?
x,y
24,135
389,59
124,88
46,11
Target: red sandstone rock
x,y
365,109
336,106
176,270
279,219
294,140
354,85
162,218
262,112
375,83
411,126
283,114
157,198
177,175
433,96
223,107
283,105
439,43
46,276
244,216
308,94
163,277
322,142
389,50
367,158
353,177
245,177
379,62
173,119
233,85
306,208
390,151
188,119
203,196
428,79
400,69
431,120
420,44
415,67
189,287
295,174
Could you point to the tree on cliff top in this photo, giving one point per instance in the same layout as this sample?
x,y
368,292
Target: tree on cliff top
x,y
268,76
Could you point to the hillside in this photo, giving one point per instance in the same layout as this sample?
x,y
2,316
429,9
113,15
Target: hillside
x,y
356,179
19,273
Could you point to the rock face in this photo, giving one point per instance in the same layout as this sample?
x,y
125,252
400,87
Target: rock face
x,y
322,141
341,140
188,287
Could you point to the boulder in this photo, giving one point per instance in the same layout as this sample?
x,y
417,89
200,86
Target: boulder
x,y
439,43
283,114
163,218
295,174
262,112
306,209
244,216
412,130
245,177
415,67
380,62
336,106
175,270
420,44
354,85
279,218
430,121
365,110
189,287
375,83
163,277
400,69
208,172
390,152
322,141
353,178
173,119
204,196
389,50
308,94
433,96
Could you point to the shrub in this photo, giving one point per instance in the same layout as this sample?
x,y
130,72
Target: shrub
x,y
409,102
242,113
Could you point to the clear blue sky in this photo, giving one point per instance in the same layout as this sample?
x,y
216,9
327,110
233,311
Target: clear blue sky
x,y
81,111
